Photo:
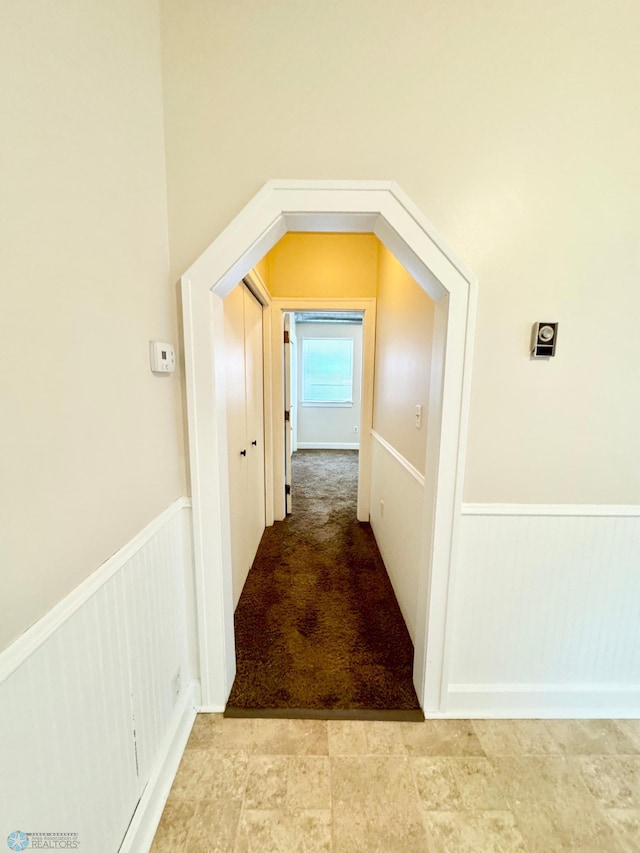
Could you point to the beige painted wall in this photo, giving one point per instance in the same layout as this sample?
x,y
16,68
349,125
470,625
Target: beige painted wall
x,y
324,265
404,331
513,127
91,445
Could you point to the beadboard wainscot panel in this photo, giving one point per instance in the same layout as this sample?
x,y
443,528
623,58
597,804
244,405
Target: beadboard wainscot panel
x,y
154,607
91,723
397,528
545,612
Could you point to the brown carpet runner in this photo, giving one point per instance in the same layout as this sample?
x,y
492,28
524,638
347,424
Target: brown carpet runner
x,y
318,629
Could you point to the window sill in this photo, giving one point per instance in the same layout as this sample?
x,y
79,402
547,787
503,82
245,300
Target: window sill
x,y
327,404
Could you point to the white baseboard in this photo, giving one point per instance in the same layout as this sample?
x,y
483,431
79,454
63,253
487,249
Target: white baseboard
x,y
542,701
146,818
328,445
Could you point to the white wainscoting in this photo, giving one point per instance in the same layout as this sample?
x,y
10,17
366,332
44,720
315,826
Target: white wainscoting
x,y
397,528
91,726
544,617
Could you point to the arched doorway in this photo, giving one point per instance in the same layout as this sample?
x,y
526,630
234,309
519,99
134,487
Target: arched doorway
x,y
383,209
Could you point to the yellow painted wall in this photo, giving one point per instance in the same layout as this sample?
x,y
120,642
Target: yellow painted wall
x,y
262,268
513,127
324,265
404,332
92,444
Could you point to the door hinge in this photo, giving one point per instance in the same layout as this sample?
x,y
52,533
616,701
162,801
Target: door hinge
x,y
286,337
287,489
287,416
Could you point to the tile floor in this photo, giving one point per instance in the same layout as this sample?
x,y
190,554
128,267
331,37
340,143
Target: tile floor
x,y
447,786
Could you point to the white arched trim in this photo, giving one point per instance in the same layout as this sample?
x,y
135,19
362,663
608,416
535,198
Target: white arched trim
x,y
377,207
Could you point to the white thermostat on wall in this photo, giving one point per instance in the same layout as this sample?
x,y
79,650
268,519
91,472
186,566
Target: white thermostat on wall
x,y
162,357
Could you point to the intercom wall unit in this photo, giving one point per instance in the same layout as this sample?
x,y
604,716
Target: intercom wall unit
x,y
162,357
543,340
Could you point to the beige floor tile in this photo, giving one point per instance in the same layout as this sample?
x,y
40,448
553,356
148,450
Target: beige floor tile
x,y
237,734
371,780
278,831
206,730
457,784
375,805
631,730
382,831
290,737
267,777
349,786
350,737
441,737
214,826
516,737
263,736
540,780
175,825
474,832
436,783
309,782
289,782
613,780
205,775
590,737
217,733
626,824
554,827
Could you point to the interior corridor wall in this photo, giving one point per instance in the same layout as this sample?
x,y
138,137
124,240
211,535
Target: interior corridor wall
x,y
404,332
92,443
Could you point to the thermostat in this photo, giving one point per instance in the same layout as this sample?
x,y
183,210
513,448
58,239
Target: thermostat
x,y
162,357
543,340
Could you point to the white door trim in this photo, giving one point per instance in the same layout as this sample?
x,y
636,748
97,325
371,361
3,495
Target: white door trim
x,y
368,307
381,208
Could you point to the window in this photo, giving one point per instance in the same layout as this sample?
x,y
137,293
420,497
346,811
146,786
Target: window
x,y
327,370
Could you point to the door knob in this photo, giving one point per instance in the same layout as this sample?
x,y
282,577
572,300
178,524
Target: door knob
x,y
255,443
243,453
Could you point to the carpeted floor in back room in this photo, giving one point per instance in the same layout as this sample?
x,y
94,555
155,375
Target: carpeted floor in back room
x,y
318,629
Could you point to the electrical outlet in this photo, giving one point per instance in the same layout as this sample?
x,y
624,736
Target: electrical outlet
x,y
381,508
176,684
356,429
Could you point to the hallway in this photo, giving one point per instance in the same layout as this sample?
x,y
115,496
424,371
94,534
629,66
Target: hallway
x,y
318,629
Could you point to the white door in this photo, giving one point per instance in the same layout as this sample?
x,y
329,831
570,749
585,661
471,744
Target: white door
x,y
245,429
293,383
254,389
288,414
